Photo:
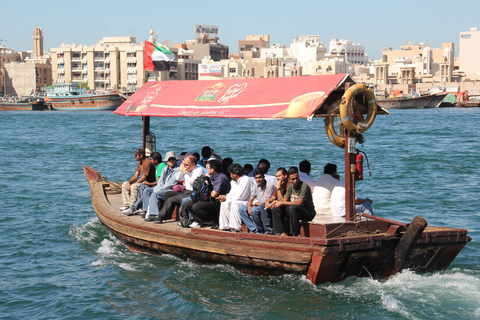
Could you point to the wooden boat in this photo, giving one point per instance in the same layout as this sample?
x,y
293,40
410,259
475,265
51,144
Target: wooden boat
x,y
327,250
404,102
107,101
69,97
23,104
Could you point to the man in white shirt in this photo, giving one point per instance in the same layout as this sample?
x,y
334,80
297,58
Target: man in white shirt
x,y
188,173
322,192
241,188
304,169
338,201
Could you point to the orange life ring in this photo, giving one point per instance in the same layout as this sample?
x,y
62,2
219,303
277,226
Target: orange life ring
x,y
332,113
349,121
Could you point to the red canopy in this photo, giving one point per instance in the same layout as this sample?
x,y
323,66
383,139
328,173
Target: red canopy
x,y
285,97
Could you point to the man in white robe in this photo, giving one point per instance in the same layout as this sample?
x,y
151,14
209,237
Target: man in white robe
x,y
241,188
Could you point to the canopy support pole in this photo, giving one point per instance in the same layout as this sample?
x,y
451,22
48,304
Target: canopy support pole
x,y
350,168
146,130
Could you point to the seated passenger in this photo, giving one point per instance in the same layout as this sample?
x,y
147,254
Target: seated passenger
x,y
188,173
207,154
252,213
264,165
200,163
151,197
248,168
280,187
322,192
136,207
296,205
338,201
241,188
304,173
145,172
206,213
226,163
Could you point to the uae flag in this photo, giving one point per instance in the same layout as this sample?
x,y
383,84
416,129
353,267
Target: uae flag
x,y
156,58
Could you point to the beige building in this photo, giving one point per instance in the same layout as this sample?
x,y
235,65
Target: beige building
x,y
26,78
469,49
206,46
253,43
415,51
28,72
113,63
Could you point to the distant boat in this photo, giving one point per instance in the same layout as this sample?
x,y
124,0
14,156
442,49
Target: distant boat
x,y
405,102
23,104
69,97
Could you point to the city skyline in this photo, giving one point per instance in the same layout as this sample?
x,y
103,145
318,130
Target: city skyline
x,y
375,25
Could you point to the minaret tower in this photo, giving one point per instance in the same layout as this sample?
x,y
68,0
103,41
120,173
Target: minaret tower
x,y
38,42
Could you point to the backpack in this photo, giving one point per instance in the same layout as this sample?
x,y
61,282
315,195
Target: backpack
x,y
202,188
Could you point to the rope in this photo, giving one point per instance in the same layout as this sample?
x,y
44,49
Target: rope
x,y
114,186
352,233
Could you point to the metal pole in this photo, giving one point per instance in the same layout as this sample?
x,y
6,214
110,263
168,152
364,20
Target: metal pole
x,y
146,129
350,168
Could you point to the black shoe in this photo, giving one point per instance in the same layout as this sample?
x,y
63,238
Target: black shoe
x,y
151,218
214,226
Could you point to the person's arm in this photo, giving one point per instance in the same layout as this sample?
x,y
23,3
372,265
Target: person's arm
x,y
286,201
250,205
134,178
360,200
216,156
279,191
151,184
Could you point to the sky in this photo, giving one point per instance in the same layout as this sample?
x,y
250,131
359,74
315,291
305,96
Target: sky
x,y
370,23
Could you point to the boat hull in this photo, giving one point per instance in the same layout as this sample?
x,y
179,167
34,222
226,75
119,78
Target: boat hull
x,y
431,101
323,252
23,106
87,102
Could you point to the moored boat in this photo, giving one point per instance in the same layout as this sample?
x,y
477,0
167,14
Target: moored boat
x,y
329,249
406,102
23,104
69,97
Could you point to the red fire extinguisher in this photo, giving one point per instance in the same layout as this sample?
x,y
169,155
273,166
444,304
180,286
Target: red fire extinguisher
x,y
359,165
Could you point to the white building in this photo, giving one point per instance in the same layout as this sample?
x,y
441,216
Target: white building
x,y
307,49
354,54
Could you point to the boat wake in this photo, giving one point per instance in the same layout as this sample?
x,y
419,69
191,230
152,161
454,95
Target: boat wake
x,y
438,295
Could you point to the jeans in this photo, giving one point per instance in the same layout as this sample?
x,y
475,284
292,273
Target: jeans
x,y
253,222
142,193
154,200
364,207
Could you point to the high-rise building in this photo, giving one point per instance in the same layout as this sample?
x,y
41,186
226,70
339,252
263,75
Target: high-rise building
x,y
113,63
